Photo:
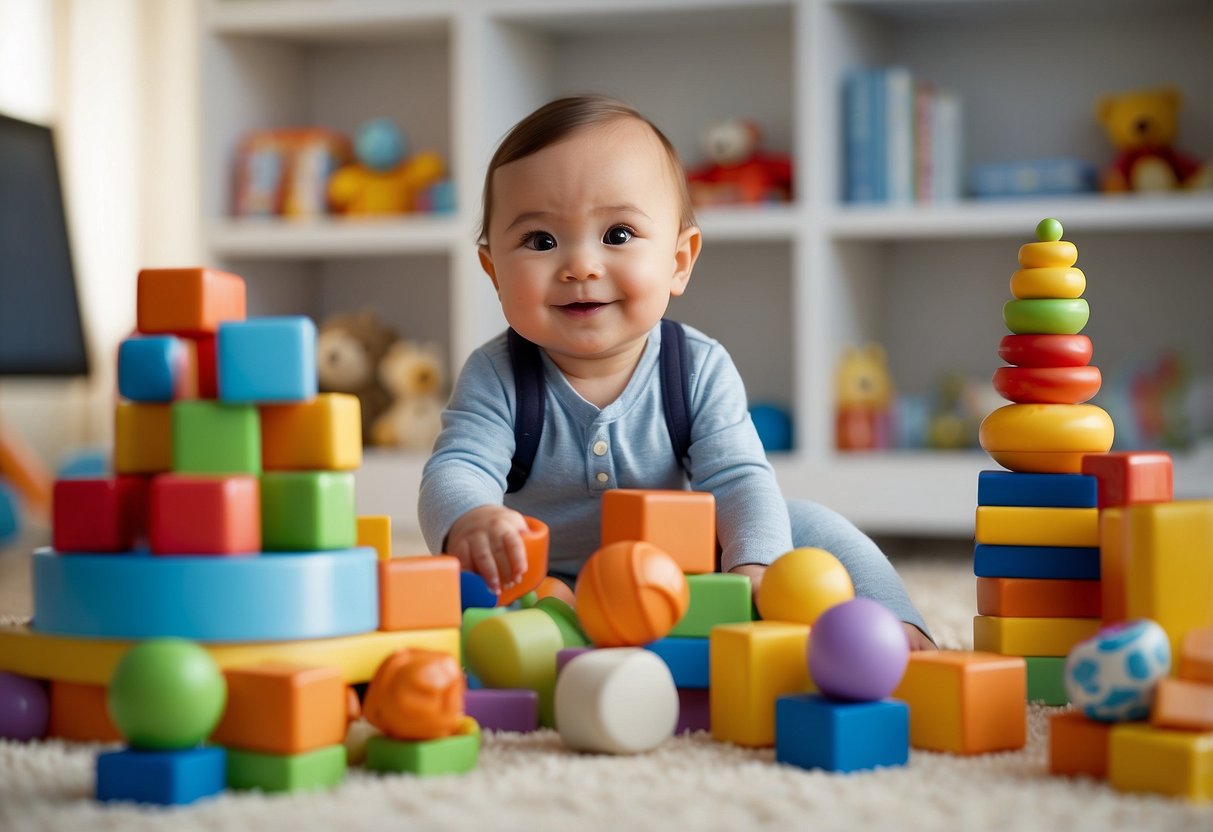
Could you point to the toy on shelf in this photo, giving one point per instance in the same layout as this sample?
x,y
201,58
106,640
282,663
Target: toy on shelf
x,y
1142,125
738,171
286,172
863,395
385,179
412,374
350,347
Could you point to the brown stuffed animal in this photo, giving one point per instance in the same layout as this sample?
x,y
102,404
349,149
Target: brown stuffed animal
x,y
412,374
349,349
1141,124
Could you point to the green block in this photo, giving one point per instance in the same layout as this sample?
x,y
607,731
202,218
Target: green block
x,y
716,598
425,758
1047,680
518,650
566,619
307,511
211,437
471,617
319,769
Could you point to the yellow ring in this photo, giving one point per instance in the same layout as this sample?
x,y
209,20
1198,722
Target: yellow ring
x,y
1040,462
1045,282
1056,255
1052,428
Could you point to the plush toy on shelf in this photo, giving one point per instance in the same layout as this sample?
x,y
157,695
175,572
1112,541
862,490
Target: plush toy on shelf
x,y
383,181
738,171
350,347
863,397
1141,124
412,374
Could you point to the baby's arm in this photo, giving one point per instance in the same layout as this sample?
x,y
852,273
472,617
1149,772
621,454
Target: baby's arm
x,y
488,540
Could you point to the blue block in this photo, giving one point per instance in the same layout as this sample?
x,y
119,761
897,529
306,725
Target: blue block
x,y
1010,488
474,592
687,659
150,367
814,732
10,513
210,598
267,359
1077,563
166,778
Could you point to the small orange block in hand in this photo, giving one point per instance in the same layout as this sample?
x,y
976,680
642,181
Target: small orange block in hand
x,y
536,542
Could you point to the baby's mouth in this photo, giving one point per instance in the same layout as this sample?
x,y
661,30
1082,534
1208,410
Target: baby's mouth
x,y
582,306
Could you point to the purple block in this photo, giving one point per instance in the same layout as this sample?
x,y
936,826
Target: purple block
x,y
567,655
694,714
503,710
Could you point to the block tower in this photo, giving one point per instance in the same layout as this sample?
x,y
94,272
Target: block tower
x,y
1037,556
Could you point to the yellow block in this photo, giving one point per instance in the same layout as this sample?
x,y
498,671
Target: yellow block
x,y
143,438
375,531
1026,526
752,665
1146,759
92,661
324,434
1031,636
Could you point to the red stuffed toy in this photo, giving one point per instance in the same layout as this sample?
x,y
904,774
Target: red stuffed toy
x,y
739,172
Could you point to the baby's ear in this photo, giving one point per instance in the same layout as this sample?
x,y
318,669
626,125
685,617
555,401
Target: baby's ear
x,y
690,241
486,263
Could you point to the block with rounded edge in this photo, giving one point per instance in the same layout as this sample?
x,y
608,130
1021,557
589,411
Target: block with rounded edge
x,y
965,702
474,593
470,618
1033,526
715,598
752,665
213,515
814,732
616,701
1078,745
143,438
188,301
324,434
1047,680
1030,636
267,359
282,708
307,510
210,437
503,710
98,514
1012,488
683,523
419,593
165,778
1071,563
694,710
457,754
79,713
1183,704
1038,598
1196,655
566,619
153,368
323,768
375,531
518,650
535,540
687,659
1142,758
1131,477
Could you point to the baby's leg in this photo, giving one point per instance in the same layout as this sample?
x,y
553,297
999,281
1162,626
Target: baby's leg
x,y
874,577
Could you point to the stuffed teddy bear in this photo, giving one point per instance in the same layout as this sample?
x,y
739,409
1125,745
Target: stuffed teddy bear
x,y
1141,124
412,374
349,349
383,181
738,171
863,396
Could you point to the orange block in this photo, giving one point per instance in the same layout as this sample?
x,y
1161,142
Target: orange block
x,y
1196,655
375,531
280,708
1078,745
1038,598
324,434
188,301
79,713
683,523
419,593
536,542
1127,478
1179,703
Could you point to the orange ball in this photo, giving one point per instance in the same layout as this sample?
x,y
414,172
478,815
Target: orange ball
x,y
630,593
416,695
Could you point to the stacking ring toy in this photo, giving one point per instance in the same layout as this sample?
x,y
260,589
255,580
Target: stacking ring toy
x,y
1048,283
1053,316
1046,438
1047,385
1043,350
1054,254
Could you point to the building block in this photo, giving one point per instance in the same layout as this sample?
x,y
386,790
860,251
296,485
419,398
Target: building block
x,y
268,598
553,587
280,708
1065,563
503,710
457,754
210,437
307,510
1031,526
324,434
188,301
189,515
1047,679
1043,350
814,732
965,702
1196,655
1078,745
416,695
471,617
616,701
153,369
1038,598
568,654
1045,438
687,659
1008,488
630,593
752,665
267,359
1030,636
419,593
566,619
694,710
683,523
716,598
1131,477
91,661
474,592
102,514
375,531
518,650
535,540
79,713
165,778
1142,758
1179,703
309,771
143,438
202,362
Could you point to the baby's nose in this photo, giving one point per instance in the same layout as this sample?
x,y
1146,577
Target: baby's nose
x,y
581,264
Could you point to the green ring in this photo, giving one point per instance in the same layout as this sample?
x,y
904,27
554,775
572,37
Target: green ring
x,y
1049,316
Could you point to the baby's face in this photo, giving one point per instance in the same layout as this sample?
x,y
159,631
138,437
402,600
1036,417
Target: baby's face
x,y
584,242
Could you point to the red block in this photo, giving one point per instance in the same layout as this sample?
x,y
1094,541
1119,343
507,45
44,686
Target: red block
x,y
202,363
98,514
1128,478
200,515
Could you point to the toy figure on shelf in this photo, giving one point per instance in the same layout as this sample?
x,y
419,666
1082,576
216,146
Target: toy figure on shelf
x,y
286,172
383,180
350,347
1141,125
863,398
738,172
412,375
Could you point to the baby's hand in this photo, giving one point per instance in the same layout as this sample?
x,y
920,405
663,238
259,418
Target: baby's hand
x,y
753,571
917,640
488,541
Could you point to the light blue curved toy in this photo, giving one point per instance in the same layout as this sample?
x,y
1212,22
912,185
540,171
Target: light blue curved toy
x,y
1112,676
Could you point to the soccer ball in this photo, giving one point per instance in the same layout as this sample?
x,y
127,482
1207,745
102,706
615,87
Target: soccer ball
x,y
1112,675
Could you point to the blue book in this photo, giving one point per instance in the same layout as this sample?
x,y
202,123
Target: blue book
x,y
898,94
857,139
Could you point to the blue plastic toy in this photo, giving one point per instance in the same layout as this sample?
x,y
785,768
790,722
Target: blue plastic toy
x,y
814,732
267,359
1074,563
687,659
165,778
1011,488
150,368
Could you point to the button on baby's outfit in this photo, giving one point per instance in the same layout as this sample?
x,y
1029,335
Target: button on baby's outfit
x,y
602,476
599,448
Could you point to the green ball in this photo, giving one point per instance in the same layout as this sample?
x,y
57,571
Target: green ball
x,y
1048,230
166,694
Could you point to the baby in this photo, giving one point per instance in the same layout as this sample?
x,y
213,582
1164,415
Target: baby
x,y
587,233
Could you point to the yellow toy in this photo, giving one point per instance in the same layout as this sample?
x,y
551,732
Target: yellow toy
x,y
801,585
1034,526
1046,438
143,438
1146,759
1031,636
324,434
1141,125
751,666
382,181
375,531
863,393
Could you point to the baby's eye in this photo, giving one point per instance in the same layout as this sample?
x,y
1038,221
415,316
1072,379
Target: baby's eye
x,y
539,241
618,235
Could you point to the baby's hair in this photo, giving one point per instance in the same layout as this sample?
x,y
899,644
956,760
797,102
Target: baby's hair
x,y
558,120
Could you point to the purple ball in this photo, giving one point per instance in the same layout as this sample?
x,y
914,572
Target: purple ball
x,y
24,708
858,650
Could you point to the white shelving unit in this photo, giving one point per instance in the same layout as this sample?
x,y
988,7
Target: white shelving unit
x,y
785,287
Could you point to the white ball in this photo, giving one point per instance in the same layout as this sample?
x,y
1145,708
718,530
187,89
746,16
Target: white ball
x,y
1112,675
617,701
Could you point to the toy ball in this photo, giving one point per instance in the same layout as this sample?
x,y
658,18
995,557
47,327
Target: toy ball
x,y
801,585
416,695
166,694
630,593
774,427
24,708
858,650
379,145
1112,675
